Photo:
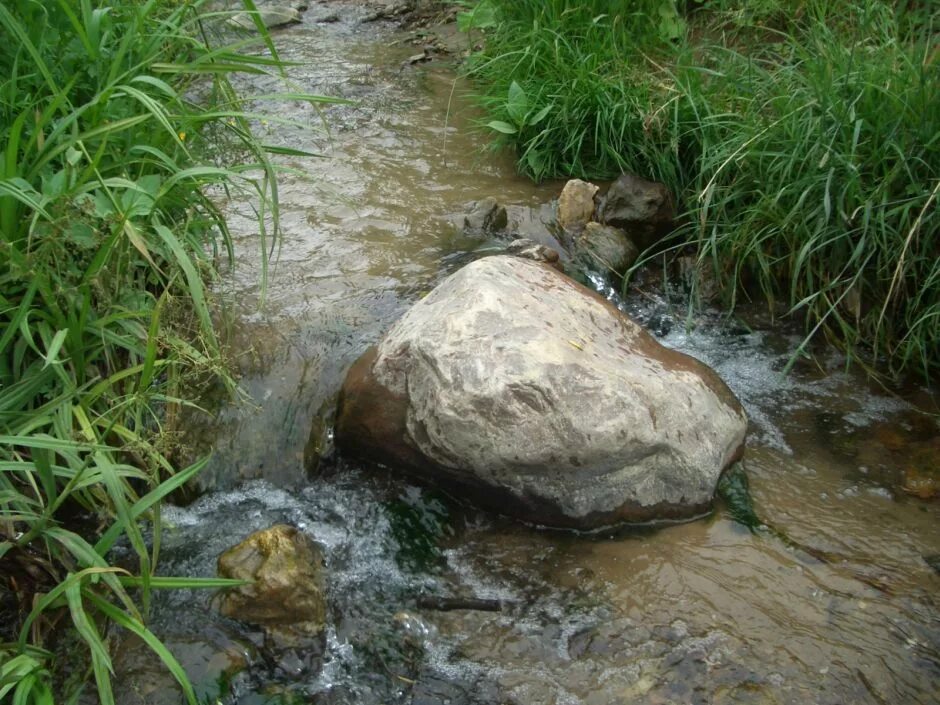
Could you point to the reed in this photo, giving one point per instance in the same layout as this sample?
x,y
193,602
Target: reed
x,y
107,240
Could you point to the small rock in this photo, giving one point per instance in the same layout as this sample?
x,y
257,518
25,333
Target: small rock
x,y
387,13
645,209
607,247
485,216
921,475
699,278
933,561
919,483
609,638
576,205
329,19
421,58
529,249
287,592
271,17
539,225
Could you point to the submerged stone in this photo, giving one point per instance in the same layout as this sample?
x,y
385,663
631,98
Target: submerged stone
x,y
485,216
515,387
211,661
539,226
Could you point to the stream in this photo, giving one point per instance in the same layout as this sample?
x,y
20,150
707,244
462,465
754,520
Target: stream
x,y
844,611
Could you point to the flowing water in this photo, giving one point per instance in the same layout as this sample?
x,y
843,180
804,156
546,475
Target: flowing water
x,y
835,603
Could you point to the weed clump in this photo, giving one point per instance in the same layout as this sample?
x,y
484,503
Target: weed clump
x,y
801,139
105,226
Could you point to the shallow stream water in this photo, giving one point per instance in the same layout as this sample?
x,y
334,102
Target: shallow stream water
x,y
837,603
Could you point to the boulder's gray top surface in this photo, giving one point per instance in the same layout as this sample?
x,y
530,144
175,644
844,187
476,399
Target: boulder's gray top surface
x,y
511,379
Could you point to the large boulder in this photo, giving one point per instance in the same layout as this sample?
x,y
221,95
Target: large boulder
x,y
518,388
285,595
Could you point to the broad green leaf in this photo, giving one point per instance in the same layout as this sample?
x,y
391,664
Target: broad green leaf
x,y
193,280
84,626
517,104
133,235
22,191
501,126
170,583
163,490
540,115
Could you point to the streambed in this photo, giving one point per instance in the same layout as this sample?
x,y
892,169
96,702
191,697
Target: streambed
x,y
845,611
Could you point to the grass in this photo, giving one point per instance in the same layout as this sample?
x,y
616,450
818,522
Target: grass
x,y
107,239
801,139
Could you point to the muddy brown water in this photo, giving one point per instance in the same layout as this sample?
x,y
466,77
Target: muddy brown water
x,y
844,609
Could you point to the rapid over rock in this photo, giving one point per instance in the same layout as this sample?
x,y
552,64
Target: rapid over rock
x,y
514,386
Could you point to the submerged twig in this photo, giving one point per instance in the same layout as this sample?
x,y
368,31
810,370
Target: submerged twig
x,y
447,604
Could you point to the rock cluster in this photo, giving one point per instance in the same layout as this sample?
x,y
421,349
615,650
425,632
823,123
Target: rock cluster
x,y
605,232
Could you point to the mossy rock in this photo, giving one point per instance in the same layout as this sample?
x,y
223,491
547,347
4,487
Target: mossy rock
x,y
286,595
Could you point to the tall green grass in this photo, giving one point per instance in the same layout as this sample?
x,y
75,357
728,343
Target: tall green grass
x,y
801,139
107,239
567,81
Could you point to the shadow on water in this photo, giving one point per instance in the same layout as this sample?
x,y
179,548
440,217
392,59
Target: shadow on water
x,y
843,611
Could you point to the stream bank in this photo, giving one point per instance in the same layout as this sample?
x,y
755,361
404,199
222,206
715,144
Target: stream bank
x,y
705,612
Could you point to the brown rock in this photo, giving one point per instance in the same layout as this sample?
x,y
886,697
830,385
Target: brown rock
x,y
607,247
921,476
645,209
576,205
287,589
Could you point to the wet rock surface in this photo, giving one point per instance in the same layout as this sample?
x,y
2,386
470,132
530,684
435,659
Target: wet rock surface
x,y
485,216
271,17
607,248
286,595
518,386
570,227
645,209
529,249
214,659
576,205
